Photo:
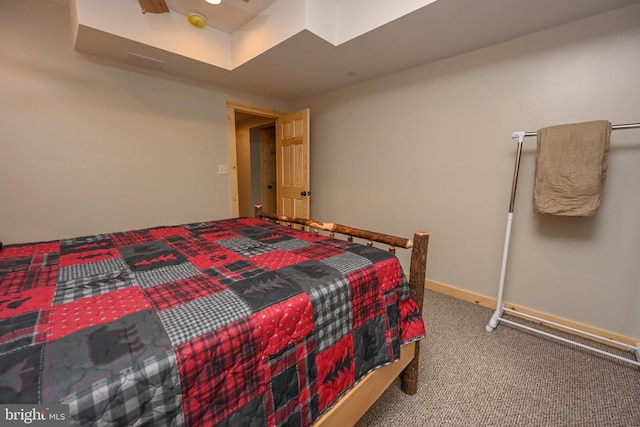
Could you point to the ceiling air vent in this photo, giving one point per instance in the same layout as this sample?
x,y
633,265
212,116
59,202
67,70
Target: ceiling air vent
x,y
144,61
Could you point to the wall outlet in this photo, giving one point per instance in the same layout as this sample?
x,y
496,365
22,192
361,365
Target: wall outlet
x,y
223,170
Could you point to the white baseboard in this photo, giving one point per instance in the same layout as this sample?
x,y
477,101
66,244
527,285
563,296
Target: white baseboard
x,y
490,303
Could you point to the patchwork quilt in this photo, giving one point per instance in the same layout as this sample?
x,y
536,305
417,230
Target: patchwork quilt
x,y
232,322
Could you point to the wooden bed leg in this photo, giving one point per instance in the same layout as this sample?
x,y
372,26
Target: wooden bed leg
x,y
417,276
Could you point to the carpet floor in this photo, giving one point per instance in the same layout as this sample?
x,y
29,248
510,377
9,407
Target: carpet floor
x,y
508,377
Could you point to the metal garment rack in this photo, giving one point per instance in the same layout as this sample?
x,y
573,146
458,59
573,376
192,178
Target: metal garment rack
x,y
501,309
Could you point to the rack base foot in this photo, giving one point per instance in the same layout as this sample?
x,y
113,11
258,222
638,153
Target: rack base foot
x,y
493,322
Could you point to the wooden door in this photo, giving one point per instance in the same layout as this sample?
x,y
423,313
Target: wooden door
x,y
292,164
268,169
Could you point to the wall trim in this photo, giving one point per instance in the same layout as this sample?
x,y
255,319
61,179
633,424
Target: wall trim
x,y
490,303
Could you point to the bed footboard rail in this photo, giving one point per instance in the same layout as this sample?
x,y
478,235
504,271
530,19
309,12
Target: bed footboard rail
x,y
351,232
417,273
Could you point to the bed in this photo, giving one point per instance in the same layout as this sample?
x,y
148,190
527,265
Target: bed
x,y
242,321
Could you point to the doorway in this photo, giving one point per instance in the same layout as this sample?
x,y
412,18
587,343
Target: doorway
x,y
292,190
256,159
252,157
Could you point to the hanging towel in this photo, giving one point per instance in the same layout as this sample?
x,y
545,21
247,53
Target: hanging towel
x,y
571,166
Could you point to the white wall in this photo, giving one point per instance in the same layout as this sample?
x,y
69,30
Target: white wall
x,y
88,145
430,149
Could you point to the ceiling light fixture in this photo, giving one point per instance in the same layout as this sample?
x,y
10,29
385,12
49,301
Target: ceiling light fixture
x,y
213,1
197,20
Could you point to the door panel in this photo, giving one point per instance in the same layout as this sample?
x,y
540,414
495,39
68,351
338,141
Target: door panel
x,y
292,164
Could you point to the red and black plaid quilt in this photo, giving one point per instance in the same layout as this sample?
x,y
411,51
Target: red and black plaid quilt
x,y
231,322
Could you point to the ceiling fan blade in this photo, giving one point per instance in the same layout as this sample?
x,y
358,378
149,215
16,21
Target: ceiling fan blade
x,y
153,6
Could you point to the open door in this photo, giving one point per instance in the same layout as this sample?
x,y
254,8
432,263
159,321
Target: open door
x,y
292,164
292,158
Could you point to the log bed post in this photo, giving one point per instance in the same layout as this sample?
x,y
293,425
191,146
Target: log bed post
x,y
417,276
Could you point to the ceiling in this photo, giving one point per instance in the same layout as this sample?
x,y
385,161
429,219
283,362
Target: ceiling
x,y
228,16
304,64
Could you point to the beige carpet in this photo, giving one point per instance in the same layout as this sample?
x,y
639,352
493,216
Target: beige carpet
x,y
509,377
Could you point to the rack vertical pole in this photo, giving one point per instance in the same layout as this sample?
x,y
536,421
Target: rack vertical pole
x,y
493,322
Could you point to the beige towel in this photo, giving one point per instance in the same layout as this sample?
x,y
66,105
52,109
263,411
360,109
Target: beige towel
x,y
571,167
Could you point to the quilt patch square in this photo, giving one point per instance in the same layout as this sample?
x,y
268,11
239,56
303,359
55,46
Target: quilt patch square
x,y
335,371
265,289
92,285
370,346
347,262
390,274
96,242
166,274
79,258
256,233
95,268
137,380
302,235
275,238
148,394
189,246
309,274
412,324
276,260
27,301
340,244
218,276
218,258
217,234
285,323
221,369
18,331
20,375
245,247
188,321
29,249
180,292
366,300
293,393
285,385
131,238
26,273
149,256
373,254
240,269
113,347
253,413
291,244
161,233
318,251
68,318
332,311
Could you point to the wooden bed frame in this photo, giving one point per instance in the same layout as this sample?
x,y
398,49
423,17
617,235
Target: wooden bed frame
x,y
353,405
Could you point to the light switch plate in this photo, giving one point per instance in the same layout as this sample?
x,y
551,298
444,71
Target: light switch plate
x,y
223,170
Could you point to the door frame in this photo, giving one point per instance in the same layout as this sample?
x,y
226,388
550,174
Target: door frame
x,y
232,108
